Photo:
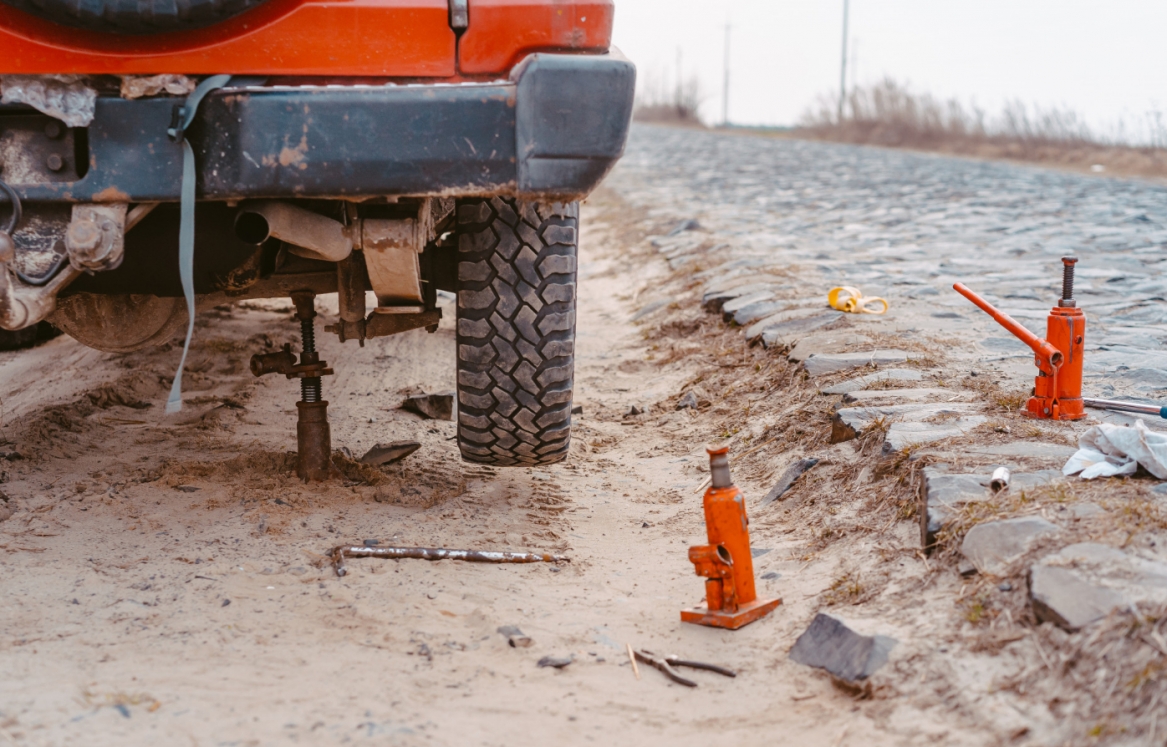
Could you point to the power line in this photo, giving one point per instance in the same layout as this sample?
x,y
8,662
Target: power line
x,y
725,85
843,68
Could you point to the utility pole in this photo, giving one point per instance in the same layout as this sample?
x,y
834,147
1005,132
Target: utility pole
x,y
843,69
725,84
677,95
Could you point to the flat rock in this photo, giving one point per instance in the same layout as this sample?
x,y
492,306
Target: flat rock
x,y
862,382
1032,449
943,494
785,333
730,307
558,662
792,473
438,406
390,452
899,396
651,308
1083,583
828,643
828,342
851,422
825,363
908,435
993,546
715,298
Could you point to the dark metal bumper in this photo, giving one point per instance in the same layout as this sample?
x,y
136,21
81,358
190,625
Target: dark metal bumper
x,y
551,131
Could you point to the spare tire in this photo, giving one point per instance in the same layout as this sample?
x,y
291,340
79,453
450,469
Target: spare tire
x,y
134,16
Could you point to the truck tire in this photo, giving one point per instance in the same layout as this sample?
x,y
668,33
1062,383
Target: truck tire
x,y
138,17
516,330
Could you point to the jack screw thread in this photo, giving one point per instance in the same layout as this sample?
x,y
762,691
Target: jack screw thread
x,y
310,387
1068,277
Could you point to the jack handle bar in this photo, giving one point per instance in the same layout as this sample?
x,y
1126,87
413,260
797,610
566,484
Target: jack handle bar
x,y
1046,352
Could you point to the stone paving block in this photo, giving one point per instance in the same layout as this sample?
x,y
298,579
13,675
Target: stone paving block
x,y
1034,449
1082,583
862,382
828,643
993,546
851,422
942,494
905,435
714,299
902,396
755,330
730,307
825,363
837,341
788,333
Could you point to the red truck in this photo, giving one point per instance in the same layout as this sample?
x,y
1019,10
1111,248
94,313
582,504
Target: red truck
x,y
157,156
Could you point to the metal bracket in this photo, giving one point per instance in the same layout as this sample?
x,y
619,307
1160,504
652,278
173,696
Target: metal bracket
x,y
459,14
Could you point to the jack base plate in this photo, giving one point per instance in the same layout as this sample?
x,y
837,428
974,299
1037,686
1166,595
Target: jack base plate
x,y
745,614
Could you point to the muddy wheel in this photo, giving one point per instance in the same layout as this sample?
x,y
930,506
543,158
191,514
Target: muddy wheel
x,y
120,323
516,330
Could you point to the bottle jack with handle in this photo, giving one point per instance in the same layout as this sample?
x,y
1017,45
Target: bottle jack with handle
x,y
1057,390
726,563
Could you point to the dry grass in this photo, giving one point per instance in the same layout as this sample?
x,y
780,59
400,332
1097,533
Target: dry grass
x,y
890,114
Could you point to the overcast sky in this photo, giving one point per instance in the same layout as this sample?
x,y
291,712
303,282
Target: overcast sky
x,y
1104,59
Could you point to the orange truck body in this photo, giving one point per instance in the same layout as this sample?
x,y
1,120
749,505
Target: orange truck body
x,y
321,38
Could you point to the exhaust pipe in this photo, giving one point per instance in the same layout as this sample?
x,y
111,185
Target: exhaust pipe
x,y
307,234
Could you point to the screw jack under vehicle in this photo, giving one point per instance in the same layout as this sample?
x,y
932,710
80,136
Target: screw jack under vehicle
x,y
313,436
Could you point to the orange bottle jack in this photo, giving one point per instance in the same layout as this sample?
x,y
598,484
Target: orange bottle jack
x,y
1057,390
726,562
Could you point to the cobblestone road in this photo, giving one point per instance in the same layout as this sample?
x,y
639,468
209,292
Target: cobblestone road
x,y
905,226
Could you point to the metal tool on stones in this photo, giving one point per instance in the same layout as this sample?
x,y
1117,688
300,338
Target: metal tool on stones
x,y
726,562
666,664
1109,404
849,299
338,555
313,436
1057,390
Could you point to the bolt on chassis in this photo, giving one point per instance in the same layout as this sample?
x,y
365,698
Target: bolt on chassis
x,y
158,157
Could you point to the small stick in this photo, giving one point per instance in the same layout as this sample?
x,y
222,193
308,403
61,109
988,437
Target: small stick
x,y
632,658
338,555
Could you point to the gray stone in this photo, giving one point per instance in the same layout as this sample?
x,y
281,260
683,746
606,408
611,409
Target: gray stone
x,y
899,396
558,662
837,341
851,422
1033,449
730,307
651,308
792,473
715,298
689,400
689,224
908,435
825,363
438,406
390,452
1083,583
831,645
861,382
943,494
788,333
993,546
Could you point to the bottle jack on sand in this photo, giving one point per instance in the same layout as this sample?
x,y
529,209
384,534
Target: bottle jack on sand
x,y
726,562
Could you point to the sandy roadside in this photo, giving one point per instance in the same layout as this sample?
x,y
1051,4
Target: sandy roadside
x,y
164,586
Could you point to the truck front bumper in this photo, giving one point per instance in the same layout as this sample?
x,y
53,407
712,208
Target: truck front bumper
x,y
550,132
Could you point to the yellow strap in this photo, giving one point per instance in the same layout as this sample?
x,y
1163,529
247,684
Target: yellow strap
x,y
850,300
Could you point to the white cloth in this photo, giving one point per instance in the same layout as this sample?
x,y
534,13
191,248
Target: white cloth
x,y
1108,450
